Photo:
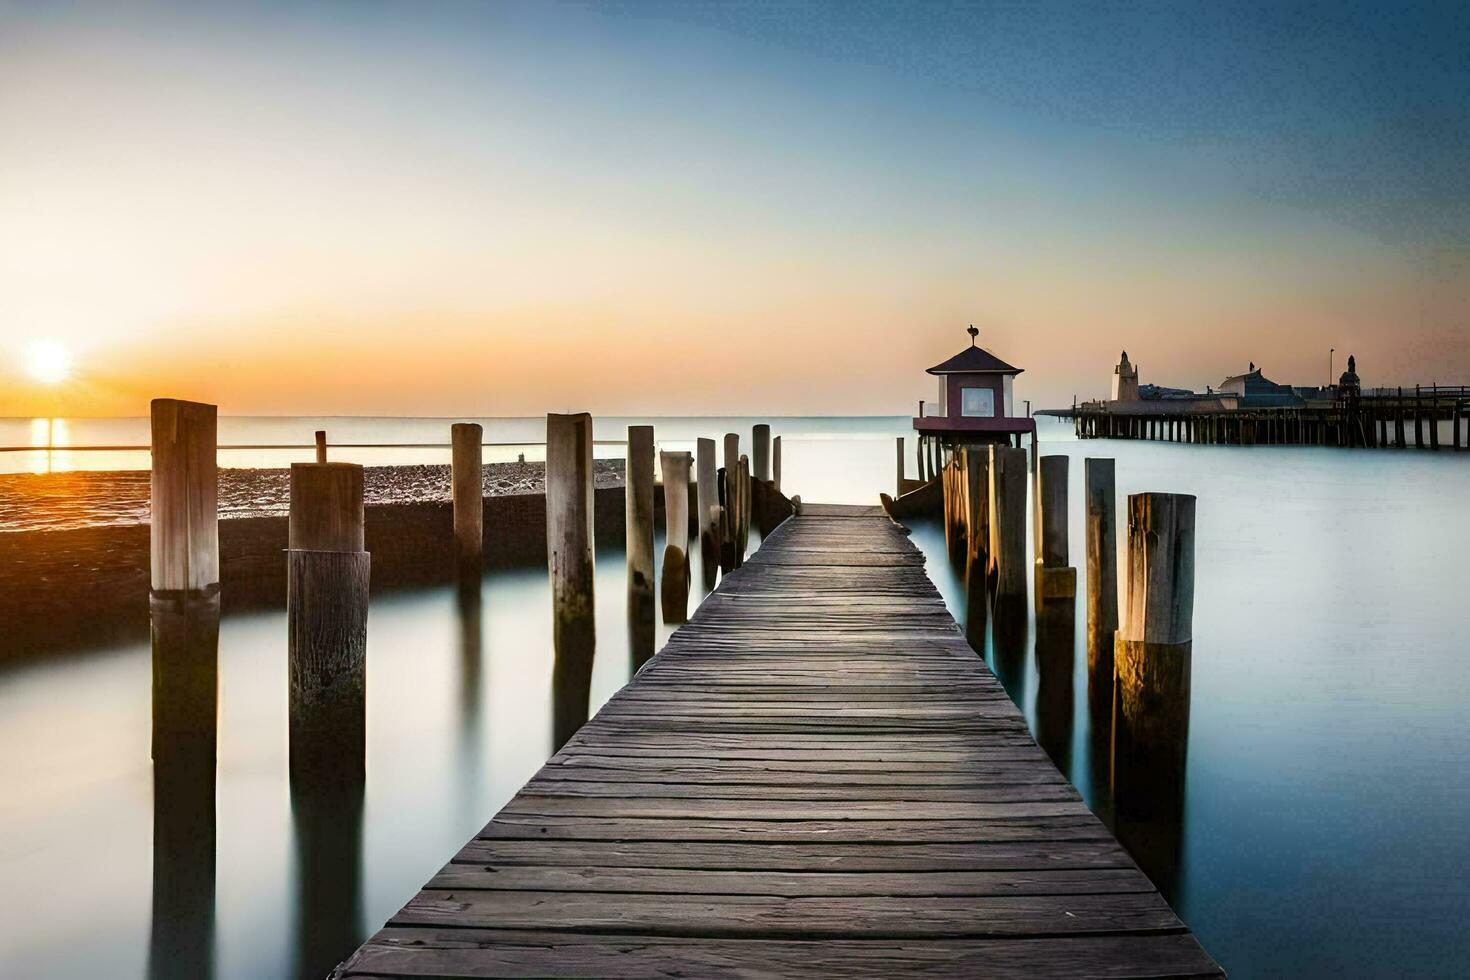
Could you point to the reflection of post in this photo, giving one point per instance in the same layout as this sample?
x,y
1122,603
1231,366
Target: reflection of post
x,y
760,442
1056,579
674,587
181,943
707,499
639,513
327,574
1056,630
1152,678
466,467
328,826
184,546
898,480
570,561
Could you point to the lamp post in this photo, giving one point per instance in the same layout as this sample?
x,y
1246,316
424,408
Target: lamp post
x,y
1330,351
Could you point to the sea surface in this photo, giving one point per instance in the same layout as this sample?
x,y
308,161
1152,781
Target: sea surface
x,y
1323,828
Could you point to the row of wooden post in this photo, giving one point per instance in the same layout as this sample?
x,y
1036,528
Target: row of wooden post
x,y
1143,657
328,568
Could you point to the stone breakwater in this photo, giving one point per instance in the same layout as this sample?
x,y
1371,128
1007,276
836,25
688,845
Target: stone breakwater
x,y
71,501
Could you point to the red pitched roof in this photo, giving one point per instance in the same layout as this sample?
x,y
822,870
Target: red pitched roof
x,y
974,360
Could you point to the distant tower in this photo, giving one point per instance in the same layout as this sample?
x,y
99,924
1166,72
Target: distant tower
x,y
1348,386
1125,381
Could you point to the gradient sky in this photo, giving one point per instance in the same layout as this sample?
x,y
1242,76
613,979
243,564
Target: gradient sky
x,y
440,209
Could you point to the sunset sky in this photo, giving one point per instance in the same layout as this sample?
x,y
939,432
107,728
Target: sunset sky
x,y
441,209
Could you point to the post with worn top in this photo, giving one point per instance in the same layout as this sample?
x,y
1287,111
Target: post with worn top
x,y
760,452
638,511
675,585
184,575
321,445
1151,688
569,559
466,465
327,569
776,464
1007,562
707,500
1056,578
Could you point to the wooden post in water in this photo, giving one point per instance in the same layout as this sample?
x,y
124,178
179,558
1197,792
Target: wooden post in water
x,y
675,585
776,464
184,575
898,482
1102,581
1151,688
742,486
1055,578
1007,563
760,442
638,512
977,498
569,557
466,467
321,445
730,514
707,499
327,571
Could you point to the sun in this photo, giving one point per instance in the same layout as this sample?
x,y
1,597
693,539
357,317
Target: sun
x,y
48,361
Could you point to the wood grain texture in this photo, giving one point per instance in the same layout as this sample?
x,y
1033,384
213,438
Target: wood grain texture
x,y
816,776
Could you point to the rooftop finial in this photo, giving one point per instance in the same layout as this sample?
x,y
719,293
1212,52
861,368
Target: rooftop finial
x,y
973,334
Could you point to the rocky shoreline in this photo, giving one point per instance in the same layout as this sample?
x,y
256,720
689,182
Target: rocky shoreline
x,y
71,501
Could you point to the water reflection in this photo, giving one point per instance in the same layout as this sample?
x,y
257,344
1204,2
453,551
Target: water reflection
x,y
1008,630
469,616
571,692
642,627
1056,623
327,820
181,940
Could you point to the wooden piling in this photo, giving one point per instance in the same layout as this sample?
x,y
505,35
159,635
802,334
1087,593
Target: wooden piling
x,y
776,464
1102,560
976,462
707,499
899,478
184,523
327,573
569,546
743,497
1151,689
321,445
675,584
638,511
729,501
760,452
1055,578
1007,500
466,467
184,603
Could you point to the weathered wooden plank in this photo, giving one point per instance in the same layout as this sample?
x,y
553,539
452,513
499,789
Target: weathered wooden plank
x,y
430,952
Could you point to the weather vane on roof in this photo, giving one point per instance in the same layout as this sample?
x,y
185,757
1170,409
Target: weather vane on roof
x,y
973,334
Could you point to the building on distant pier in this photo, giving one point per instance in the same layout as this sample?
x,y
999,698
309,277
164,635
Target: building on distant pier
x,y
1254,390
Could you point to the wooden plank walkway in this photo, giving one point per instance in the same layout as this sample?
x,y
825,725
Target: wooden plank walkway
x,y
816,776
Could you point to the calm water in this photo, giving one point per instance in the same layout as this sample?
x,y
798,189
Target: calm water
x,y
1329,762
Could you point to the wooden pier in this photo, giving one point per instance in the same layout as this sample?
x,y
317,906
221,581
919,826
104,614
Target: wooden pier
x,y
1381,420
816,776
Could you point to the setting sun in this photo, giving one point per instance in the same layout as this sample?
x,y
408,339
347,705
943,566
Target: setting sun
x,y
48,361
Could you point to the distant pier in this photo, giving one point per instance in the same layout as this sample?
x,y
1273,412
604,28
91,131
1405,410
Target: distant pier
x,y
1398,418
